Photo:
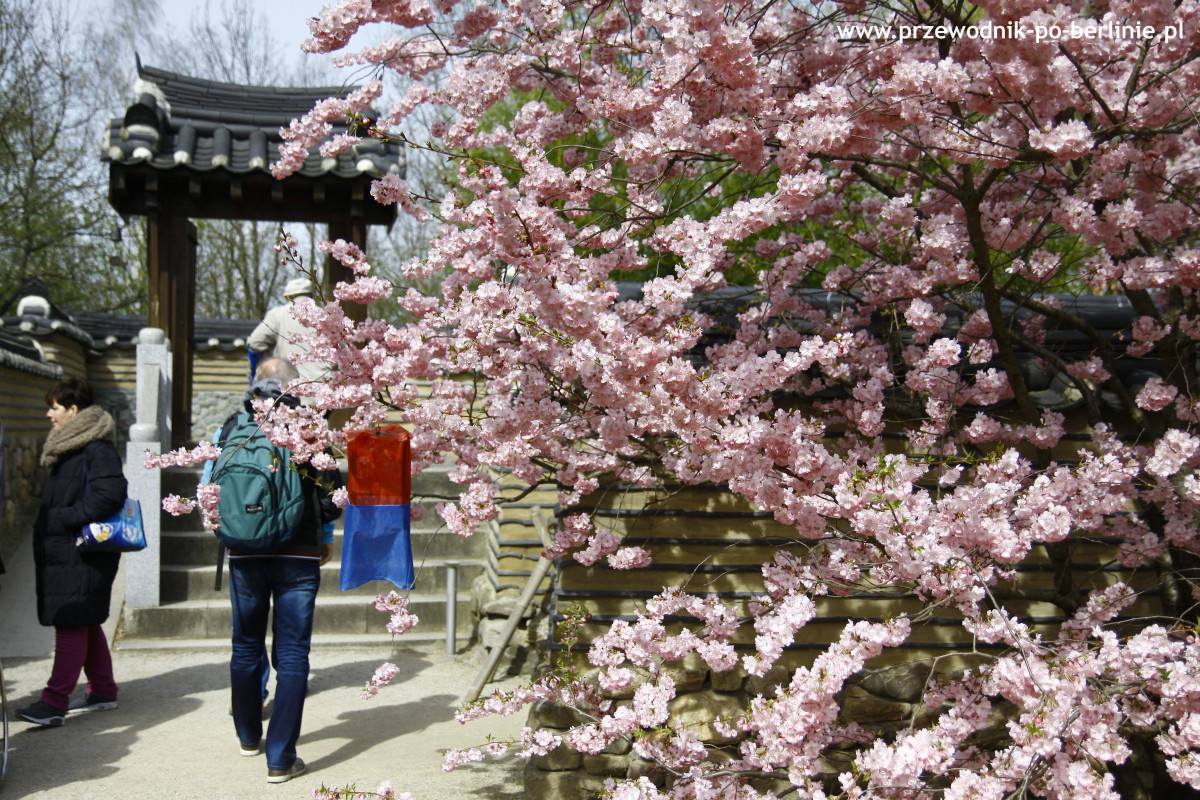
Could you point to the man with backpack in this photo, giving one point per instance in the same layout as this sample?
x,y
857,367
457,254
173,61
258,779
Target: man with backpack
x,y
272,515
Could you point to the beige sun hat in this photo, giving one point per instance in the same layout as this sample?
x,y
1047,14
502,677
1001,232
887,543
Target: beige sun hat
x,y
296,287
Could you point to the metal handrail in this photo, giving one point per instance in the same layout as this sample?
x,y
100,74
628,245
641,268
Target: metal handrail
x,y
4,717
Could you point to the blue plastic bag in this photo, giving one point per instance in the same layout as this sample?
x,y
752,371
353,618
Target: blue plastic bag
x,y
377,546
121,533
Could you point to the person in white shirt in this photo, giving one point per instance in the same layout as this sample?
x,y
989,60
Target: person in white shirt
x,y
275,334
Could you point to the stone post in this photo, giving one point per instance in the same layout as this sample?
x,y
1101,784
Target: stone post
x,y
151,432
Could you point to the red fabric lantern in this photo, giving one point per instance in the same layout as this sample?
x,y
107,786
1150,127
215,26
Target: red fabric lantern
x,y
380,466
378,543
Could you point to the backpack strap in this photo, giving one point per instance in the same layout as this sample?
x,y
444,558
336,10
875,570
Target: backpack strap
x,y
227,428
222,435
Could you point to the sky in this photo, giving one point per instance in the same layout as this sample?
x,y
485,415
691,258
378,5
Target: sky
x,y
286,17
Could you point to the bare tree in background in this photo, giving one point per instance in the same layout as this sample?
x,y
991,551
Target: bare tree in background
x,y
128,28
55,223
427,173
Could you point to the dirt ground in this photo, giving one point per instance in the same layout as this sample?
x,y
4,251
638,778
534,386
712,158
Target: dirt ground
x,y
172,736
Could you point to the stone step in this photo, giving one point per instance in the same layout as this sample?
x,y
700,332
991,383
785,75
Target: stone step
x,y
433,481
199,548
191,522
384,643
181,583
181,481
341,615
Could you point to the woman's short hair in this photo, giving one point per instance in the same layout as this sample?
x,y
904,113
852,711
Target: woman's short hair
x,y
71,392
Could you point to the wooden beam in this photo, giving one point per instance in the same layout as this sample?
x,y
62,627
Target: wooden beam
x,y
184,309
353,230
137,190
171,303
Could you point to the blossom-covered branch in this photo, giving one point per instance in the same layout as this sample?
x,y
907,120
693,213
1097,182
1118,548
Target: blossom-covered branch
x,y
860,267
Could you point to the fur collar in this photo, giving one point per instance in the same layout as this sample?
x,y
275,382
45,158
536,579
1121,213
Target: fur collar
x,y
89,425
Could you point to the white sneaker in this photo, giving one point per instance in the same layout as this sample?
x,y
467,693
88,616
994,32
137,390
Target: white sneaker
x,y
90,702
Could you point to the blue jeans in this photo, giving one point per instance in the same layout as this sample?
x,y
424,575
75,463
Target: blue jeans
x,y
254,585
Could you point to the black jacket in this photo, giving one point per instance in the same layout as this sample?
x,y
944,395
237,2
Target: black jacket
x,y
73,587
319,508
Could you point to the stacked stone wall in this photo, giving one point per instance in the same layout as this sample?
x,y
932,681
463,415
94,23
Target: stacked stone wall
x,y
711,542
23,410
219,387
220,378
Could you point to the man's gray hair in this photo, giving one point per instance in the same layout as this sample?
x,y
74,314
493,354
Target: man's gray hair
x,y
279,368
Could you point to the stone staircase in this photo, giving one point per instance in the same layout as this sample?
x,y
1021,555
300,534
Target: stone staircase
x,y
193,613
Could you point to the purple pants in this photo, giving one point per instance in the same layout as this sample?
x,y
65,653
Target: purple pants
x,y
78,649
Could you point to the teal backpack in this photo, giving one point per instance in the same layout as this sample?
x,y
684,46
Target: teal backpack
x,y
262,498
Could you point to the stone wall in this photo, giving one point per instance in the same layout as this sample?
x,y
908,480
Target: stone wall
x,y
881,700
709,541
23,409
220,377
219,386
24,481
210,410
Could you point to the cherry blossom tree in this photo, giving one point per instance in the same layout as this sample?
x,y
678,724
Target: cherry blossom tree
x,y
903,200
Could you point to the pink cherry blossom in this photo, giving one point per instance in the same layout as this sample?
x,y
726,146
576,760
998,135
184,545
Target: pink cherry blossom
x,y
183,456
384,791
175,505
1156,395
208,496
860,263
1068,140
382,677
401,619
629,558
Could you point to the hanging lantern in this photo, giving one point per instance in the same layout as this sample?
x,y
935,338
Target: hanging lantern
x,y
380,470
377,543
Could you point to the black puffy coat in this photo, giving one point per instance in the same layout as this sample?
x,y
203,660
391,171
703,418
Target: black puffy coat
x,y
73,587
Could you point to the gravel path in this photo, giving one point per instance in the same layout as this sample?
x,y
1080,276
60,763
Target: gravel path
x,y
172,736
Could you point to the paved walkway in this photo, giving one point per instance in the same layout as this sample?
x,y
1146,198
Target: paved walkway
x,y
172,736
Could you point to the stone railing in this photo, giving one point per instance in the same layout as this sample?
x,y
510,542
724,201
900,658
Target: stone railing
x,y
150,434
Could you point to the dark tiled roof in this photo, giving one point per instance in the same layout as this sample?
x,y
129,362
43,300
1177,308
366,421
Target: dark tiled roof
x,y
1110,316
180,121
121,330
20,354
30,325
97,330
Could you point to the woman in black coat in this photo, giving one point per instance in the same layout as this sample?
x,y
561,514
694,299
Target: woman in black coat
x,y
74,587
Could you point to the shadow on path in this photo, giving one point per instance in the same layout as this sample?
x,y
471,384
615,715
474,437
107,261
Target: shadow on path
x,y
370,727
91,746
172,735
